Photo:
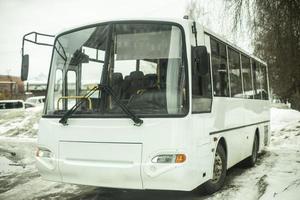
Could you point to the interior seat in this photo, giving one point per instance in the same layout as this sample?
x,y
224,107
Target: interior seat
x,y
125,87
116,83
150,81
136,82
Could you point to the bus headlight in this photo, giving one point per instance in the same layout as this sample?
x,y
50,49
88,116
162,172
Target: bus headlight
x,y
43,152
169,158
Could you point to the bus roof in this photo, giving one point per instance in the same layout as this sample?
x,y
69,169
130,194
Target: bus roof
x,y
174,20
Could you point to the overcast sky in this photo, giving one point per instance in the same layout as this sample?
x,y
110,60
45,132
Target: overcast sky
x,y
18,17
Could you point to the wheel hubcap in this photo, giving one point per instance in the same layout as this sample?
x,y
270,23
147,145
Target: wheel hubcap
x,y
218,168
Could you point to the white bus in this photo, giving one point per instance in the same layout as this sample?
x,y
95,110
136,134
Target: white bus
x,y
150,104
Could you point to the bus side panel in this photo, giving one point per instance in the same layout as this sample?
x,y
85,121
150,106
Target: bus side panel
x,y
203,151
236,120
227,114
258,111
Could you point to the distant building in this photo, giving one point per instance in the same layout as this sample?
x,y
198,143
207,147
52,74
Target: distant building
x,y
35,88
11,87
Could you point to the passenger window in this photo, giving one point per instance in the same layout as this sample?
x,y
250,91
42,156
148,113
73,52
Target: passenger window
x,y
265,93
90,76
147,67
247,77
256,79
235,73
125,67
219,69
94,54
58,88
201,89
71,88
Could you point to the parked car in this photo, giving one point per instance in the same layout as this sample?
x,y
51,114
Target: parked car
x,y
29,105
12,105
12,108
37,101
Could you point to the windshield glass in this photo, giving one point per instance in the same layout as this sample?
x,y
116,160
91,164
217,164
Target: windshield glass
x,y
143,64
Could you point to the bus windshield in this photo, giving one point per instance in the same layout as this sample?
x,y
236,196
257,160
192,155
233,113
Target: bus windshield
x,y
143,63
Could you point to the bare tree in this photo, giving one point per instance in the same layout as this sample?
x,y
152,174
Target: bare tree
x,y
194,10
276,28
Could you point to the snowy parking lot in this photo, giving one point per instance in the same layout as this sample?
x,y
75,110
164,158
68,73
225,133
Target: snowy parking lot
x,y
276,175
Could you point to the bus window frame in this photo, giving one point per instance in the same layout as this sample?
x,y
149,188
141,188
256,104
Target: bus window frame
x,y
211,83
251,75
227,69
252,58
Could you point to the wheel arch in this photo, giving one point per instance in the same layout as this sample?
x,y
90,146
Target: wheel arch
x,y
223,143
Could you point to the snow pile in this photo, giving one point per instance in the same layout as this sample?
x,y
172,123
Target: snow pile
x,y
283,117
23,123
284,177
277,173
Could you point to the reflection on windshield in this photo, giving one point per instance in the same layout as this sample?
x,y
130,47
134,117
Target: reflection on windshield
x,y
142,63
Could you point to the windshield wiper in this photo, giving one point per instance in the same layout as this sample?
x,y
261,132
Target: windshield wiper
x,y
64,119
137,121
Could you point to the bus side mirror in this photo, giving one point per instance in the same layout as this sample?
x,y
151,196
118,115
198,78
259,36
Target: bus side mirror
x,y
200,58
24,67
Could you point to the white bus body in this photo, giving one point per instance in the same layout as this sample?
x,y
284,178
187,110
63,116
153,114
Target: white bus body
x,y
167,152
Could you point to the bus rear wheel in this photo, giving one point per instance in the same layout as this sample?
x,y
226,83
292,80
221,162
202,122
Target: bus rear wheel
x,y
219,173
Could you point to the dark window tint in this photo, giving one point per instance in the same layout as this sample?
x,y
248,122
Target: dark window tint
x,y
247,77
235,73
264,82
256,79
11,105
219,68
201,89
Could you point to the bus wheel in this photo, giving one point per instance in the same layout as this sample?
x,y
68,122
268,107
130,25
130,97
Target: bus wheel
x,y
219,172
251,160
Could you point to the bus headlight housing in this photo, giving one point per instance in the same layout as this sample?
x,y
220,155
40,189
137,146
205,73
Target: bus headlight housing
x,y
169,158
44,153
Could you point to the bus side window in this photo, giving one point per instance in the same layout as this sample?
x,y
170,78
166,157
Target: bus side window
x,y
71,88
247,77
201,86
219,69
264,83
235,73
256,79
148,67
58,88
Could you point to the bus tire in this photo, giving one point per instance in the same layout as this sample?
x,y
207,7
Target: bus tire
x,y
219,172
251,160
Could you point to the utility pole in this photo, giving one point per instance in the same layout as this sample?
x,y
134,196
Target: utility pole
x,y
10,82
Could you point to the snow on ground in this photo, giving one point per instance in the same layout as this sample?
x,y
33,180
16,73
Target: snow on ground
x,y
276,175
19,178
20,123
